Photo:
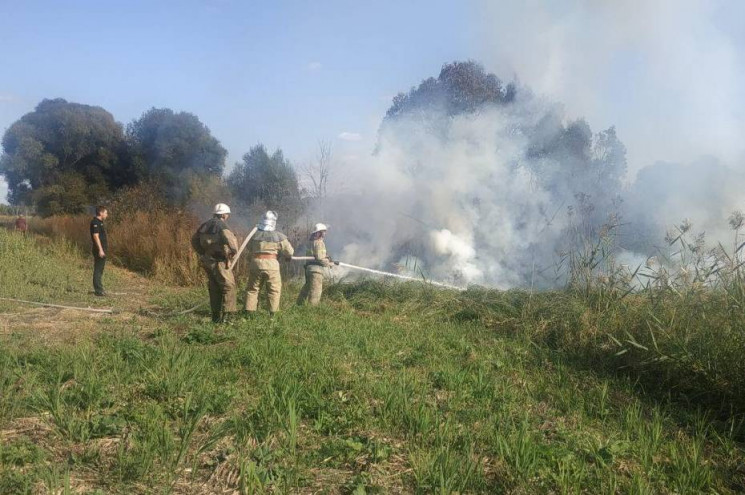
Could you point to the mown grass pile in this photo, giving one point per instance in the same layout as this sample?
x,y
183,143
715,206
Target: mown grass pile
x,y
384,388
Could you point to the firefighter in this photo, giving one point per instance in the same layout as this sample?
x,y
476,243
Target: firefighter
x,y
316,268
265,249
216,246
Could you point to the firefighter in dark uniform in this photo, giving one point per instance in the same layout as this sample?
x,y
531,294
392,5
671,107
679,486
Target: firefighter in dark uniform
x,y
216,246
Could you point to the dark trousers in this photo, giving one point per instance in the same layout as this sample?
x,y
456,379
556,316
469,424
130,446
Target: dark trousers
x,y
98,265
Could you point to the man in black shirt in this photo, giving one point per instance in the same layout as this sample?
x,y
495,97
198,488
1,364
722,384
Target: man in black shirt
x,y
100,248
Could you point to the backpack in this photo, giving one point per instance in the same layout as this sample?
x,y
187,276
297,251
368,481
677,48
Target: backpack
x,y
206,240
196,243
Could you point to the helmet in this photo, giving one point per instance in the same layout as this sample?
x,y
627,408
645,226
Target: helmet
x,y
269,222
319,227
221,209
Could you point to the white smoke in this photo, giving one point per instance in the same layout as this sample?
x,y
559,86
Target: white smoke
x,y
703,192
460,252
669,74
458,196
457,193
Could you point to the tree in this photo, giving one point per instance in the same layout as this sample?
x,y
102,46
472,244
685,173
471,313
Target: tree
x,y
63,157
171,149
461,87
570,161
566,158
267,179
318,171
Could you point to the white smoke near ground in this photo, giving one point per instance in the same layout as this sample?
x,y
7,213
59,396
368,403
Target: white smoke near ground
x,y
457,194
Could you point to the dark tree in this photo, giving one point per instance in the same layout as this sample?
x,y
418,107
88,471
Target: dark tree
x,y
267,179
565,157
461,87
63,157
571,161
171,149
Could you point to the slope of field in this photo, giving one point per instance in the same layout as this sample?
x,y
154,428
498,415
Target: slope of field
x,y
383,389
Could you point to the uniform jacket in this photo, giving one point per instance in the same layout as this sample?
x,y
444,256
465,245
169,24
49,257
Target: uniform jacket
x,y
274,244
317,249
213,239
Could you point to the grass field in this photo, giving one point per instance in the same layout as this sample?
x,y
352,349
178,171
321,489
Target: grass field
x,y
382,389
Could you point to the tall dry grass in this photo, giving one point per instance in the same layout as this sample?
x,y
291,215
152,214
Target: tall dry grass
x,y
73,228
155,244
6,221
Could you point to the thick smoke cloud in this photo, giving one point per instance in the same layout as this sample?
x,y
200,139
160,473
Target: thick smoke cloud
x,y
465,195
669,74
704,193
472,182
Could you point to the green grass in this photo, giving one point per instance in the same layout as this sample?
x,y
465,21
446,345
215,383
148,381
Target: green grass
x,y
381,389
45,270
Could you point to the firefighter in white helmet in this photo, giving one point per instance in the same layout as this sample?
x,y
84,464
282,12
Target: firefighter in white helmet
x,y
216,246
316,268
266,247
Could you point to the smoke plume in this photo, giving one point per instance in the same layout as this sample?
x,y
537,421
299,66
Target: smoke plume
x,y
490,191
669,74
471,190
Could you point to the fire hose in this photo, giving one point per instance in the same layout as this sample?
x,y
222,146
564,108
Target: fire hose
x,y
240,251
230,267
385,274
50,305
311,258
235,260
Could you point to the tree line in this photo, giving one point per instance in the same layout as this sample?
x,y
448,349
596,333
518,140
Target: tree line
x,y
63,157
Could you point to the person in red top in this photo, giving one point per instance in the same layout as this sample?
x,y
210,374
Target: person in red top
x,y
21,224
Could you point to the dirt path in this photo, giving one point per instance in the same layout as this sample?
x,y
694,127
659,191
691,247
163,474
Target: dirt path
x,y
130,300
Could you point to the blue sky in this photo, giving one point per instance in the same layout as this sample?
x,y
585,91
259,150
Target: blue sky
x,y
669,74
282,73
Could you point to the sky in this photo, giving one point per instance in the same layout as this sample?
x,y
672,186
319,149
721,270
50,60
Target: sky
x,y
285,74
669,74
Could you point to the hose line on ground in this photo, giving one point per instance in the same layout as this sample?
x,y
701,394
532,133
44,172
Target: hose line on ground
x,y
92,310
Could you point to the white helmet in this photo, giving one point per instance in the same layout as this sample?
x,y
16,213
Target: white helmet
x,y
269,222
221,209
319,228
